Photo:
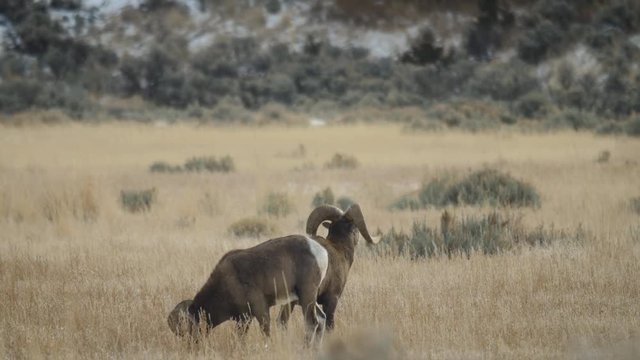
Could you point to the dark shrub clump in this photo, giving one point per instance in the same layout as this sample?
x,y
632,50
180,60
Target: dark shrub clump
x,y
494,188
489,234
210,164
196,164
483,187
324,197
634,203
161,166
344,202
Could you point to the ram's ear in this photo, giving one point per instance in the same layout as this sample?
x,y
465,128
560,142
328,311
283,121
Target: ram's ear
x,y
326,224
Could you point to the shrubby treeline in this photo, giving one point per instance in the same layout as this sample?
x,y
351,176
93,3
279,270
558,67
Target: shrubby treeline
x,y
46,67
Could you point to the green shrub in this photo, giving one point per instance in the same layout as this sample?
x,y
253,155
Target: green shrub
x,y
167,83
610,128
18,95
430,194
196,164
508,119
342,161
633,127
602,37
162,167
492,188
324,197
37,31
447,114
582,95
616,98
66,4
282,89
210,164
623,15
434,191
537,41
502,82
420,242
532,105
489,234
574,119
156,5
229,110
557,11
424,49
23,94
634,204
273,6
251,227
277,205
483,187
344,202
407,202
138,200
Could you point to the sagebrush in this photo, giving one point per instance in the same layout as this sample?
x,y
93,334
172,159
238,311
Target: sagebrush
x,y
488,234
487,187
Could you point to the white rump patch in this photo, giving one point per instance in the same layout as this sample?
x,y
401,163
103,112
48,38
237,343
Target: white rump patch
x,y
322,256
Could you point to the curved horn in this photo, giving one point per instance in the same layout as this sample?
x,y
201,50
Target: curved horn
x,y
180,321
355,214
321,214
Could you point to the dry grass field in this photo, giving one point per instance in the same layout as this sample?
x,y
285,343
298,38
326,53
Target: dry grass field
x,y
82,278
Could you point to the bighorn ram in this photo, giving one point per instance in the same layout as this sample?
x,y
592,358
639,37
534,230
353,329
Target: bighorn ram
x,y
340,244
294,269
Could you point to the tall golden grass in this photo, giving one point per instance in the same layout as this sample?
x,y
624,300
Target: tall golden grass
x,y
82,278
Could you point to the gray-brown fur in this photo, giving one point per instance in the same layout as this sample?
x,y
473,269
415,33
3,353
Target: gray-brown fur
x,y
246,283
340,244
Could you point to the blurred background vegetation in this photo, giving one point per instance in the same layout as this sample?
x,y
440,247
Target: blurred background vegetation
x,y
470,64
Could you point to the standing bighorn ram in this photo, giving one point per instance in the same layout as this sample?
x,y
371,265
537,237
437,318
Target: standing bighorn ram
x,y
340,243
289,270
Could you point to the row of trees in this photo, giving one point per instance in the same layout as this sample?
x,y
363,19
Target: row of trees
x,y
46,67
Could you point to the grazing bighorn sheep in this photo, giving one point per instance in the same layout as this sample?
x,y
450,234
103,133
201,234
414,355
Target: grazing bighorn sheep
x,y
340,244
294,269
246,283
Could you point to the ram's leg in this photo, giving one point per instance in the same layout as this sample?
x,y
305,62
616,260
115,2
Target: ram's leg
x,y
285,313
260,311
329,305
322,321
314,319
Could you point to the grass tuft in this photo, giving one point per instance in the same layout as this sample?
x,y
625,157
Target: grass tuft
x,y
138,200
277,205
